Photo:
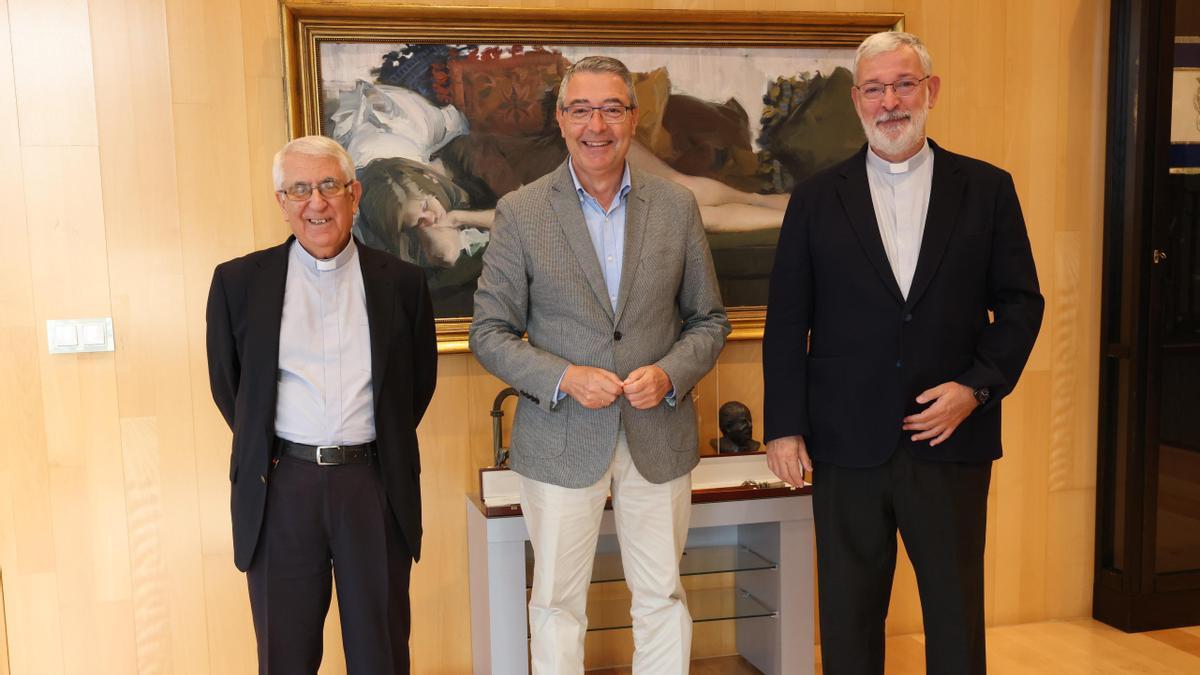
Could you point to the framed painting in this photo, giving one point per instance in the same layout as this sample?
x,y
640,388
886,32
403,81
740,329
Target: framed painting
x,y
1185,106
445,110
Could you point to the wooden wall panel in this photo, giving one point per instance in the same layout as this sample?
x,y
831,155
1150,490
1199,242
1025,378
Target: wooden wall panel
x,y
51,43
4,669
86,488
212,180
26,544
133,97
134,161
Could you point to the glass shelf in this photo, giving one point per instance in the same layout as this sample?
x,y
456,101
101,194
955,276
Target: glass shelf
x,y
717,604
695,561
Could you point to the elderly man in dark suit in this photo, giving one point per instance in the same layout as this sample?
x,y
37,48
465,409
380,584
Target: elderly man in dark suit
x,y
608,271
322,358
884,371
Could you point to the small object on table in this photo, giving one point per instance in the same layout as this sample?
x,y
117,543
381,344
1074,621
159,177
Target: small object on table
x,y
737,429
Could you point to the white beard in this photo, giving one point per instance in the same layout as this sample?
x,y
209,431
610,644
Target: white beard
x,y
900,142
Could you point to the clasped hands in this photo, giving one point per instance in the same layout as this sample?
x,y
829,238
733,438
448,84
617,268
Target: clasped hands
x,y
597,388
787,457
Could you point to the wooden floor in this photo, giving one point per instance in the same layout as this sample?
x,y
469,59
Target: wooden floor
x,y
1082,647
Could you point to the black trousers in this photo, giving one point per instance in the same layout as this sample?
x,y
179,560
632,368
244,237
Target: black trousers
x,y
323,522
940,509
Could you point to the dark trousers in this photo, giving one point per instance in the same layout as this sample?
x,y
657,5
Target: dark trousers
x,y
324,522
940,509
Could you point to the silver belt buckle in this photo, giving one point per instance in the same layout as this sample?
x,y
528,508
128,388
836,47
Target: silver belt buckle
x,y
320,460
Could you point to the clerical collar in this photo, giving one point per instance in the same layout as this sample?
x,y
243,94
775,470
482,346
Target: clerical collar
x,y
907,165
305,258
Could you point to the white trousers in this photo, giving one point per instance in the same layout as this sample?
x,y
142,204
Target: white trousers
x,y
652,524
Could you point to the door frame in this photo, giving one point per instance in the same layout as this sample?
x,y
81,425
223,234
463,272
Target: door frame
x,y
1127,593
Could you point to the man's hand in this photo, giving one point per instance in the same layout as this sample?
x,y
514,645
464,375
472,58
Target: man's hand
x,y
646,386
592,387
952,402
786,456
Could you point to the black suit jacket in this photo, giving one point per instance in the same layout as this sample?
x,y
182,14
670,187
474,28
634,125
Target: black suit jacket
x,y
245,307
871,352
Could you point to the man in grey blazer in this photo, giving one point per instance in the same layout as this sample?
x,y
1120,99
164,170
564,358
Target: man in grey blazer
x,y
608,272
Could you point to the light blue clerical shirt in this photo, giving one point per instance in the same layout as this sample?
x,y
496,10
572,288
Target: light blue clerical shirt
x,y
324,388
900,194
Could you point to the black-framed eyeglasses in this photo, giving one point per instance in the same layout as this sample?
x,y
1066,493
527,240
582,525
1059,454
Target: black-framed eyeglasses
x,y
873,91
580,113
302,192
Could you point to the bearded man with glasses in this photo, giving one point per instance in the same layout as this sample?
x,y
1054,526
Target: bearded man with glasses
x,y
903,306
607,270
322,358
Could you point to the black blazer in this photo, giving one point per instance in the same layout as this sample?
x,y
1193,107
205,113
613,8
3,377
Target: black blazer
x,y
245,307
871,352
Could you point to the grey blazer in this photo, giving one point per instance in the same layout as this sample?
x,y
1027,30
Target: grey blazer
x,y
541,276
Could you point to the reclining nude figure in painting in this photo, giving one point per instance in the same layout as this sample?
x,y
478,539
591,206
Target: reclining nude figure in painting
x,y
396,136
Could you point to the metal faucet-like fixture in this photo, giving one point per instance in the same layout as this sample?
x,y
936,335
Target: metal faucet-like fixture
x,y
500,453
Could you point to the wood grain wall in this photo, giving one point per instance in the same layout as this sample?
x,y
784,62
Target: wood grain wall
x,y
135,141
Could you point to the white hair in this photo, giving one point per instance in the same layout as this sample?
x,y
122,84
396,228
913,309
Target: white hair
x,y
312,146
890,41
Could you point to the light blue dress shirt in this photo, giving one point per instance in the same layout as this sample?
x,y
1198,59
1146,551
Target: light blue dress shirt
x,y
324,389
607,230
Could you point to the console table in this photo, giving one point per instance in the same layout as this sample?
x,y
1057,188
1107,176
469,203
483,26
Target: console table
x,y
762,534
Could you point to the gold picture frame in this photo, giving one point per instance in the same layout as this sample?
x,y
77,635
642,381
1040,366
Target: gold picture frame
x,y
674,37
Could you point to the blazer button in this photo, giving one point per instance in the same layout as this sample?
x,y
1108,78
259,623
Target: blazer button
x,y
899,364
907,318
617,336
263,478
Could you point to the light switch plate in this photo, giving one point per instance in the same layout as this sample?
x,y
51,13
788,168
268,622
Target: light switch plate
x,y
71,336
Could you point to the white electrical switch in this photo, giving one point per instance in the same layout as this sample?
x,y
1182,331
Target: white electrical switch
x,y
70,336
65,336
93,334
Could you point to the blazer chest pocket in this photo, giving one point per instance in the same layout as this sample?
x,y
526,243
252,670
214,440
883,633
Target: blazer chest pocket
x,y
664,254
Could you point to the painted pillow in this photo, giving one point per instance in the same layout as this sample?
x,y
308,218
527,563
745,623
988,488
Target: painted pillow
x,y
653,89
507,95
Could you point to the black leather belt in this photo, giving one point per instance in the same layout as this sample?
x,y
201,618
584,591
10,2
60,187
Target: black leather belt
x,y
328,455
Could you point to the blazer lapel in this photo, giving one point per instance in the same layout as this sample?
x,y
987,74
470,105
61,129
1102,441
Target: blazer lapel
x,y
265,300
945,198
381,296
565,202
855,193
637,209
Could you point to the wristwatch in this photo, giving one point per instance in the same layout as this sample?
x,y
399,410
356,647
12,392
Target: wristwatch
x,y
982,394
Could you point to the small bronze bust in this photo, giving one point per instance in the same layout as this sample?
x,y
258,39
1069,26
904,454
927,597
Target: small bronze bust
x,y
737,428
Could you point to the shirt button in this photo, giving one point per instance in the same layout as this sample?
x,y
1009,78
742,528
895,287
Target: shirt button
x,y
610,258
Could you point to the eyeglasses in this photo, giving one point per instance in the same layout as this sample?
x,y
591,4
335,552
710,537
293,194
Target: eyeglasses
x,y
302,192
873,91
611,114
